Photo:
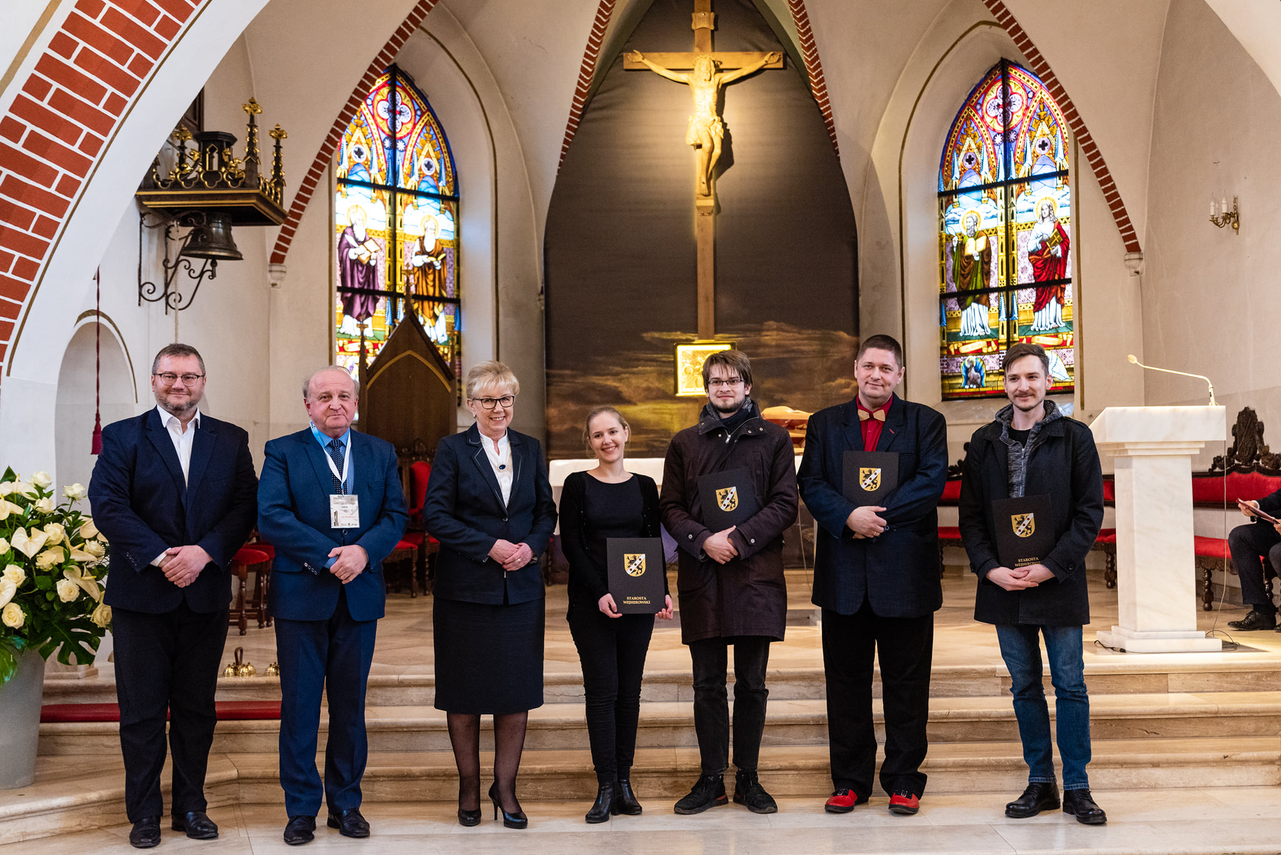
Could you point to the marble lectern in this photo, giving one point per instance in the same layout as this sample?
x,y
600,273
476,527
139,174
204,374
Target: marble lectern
x,y
1156,573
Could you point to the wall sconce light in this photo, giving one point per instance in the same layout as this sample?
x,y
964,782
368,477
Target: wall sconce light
x,y
1221,216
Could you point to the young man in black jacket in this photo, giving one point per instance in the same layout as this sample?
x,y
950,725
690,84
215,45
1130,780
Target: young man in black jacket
x,y
1032,449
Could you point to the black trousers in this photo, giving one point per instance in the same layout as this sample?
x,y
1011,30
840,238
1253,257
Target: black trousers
x,y
612,652
905,648
1250,545
166,664
711,701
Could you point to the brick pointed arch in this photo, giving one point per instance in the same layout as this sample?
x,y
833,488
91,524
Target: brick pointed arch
x,y
51,138
814,67
1083,137
325,156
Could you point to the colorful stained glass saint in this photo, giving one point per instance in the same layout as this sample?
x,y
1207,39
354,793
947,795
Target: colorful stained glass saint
x,y
1005,234
395,225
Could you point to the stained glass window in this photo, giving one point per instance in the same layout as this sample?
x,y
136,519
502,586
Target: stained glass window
x,y
396,225
1005,234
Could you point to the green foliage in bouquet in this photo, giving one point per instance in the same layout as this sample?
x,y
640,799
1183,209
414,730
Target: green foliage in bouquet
x,y
53,570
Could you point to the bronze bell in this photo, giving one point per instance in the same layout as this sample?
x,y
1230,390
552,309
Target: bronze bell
x,y
239,667
229,671
246,670
213,239
273,670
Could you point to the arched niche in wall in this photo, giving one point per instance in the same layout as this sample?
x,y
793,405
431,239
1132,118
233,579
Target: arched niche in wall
x,y
74,408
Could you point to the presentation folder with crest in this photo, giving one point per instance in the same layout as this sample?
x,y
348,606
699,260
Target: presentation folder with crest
x,y
870,477
728,498
1024,530
635,567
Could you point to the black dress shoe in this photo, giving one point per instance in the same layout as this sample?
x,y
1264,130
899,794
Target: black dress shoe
x,y
300,830
1255,620
349,823
625,800
603,807
1036,798
469,818
514,819
1081,805
145,833
196,824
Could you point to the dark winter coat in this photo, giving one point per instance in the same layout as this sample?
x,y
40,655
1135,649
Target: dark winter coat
x,y
747,595
1063,464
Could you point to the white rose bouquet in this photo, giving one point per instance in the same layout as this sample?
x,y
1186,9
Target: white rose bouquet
x,y
53,569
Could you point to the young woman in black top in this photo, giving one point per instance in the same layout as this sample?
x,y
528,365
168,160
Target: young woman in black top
x,y
595,505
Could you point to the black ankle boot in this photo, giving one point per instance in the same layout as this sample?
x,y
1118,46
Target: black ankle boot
x,y
604,805
625,800
749,793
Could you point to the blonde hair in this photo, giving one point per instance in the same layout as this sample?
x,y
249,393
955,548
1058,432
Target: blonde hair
x,y
491,373
600,411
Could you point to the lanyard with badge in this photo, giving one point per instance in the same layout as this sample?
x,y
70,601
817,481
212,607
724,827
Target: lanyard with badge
x,y
344,508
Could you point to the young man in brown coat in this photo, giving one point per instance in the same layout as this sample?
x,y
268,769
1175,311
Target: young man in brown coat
x,y
730,581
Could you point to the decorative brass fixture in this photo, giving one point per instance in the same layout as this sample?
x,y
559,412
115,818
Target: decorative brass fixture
x,y
207,191
1222,217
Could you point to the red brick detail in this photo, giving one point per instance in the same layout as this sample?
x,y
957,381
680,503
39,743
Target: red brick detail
x,y
55,129
327,148
814,67
1088,146
586,73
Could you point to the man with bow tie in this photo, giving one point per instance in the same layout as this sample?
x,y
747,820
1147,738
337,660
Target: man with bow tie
x,y
174,492
331,504
876,577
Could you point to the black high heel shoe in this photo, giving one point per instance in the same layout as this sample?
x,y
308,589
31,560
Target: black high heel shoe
x,y
604,806
516,819
468,818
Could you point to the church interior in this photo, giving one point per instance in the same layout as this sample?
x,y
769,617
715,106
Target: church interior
x,y
410,188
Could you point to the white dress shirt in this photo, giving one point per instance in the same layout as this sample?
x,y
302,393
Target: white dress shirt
x,y
182,441
501,460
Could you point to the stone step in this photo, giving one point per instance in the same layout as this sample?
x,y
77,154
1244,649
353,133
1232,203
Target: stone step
x,y
556,727
1105,677
75,794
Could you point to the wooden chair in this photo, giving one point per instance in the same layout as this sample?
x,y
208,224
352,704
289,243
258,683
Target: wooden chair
x,y
250,559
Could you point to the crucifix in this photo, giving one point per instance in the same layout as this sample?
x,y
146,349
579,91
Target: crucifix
x,y
709,71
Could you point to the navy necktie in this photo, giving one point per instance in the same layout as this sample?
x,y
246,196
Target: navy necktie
x,y
336,452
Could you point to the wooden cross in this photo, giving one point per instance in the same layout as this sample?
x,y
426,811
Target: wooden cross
x,y
708,72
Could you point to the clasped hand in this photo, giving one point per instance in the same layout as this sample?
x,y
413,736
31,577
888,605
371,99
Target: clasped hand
x,y
182,564
1018,578
864,521
351,562
719,547
512,556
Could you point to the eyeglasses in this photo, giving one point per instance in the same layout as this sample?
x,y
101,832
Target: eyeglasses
x,y
489,403
169,379
716,382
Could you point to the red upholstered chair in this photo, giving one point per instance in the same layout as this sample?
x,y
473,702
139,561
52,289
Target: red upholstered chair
x,y
426,545
256,560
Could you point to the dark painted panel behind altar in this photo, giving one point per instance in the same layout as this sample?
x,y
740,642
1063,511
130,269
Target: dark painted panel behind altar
x,y
620,252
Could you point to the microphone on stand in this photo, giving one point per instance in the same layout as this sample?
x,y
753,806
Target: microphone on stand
x,y
1213,403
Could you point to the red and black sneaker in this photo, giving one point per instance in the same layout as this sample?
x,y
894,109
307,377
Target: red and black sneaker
x,y
843,801
904,803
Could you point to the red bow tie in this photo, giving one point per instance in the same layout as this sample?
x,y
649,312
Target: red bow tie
x,y
864,415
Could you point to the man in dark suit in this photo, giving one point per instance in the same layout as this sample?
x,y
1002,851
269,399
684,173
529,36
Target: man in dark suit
x,y
174,492
876,577
1032,449
331,503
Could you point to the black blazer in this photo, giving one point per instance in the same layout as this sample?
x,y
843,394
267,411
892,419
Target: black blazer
x,y
142,506
1064,465
464,510
898,571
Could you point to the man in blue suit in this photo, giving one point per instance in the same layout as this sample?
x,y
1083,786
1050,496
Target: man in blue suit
x,y
174,492
331,503
876,577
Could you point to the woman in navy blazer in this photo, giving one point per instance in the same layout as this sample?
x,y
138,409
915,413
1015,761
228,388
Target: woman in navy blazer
x,y
489,503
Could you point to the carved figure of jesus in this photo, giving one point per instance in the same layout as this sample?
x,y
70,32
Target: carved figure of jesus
x,y
706,130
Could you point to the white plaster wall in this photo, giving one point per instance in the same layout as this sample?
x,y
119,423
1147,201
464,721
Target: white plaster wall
x,y
1211,298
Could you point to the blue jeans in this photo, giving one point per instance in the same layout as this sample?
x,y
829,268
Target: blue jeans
x,y
1021,650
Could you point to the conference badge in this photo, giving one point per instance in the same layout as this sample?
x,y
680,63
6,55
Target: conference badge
x,y
634,563
869,478
1024,524
727,499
